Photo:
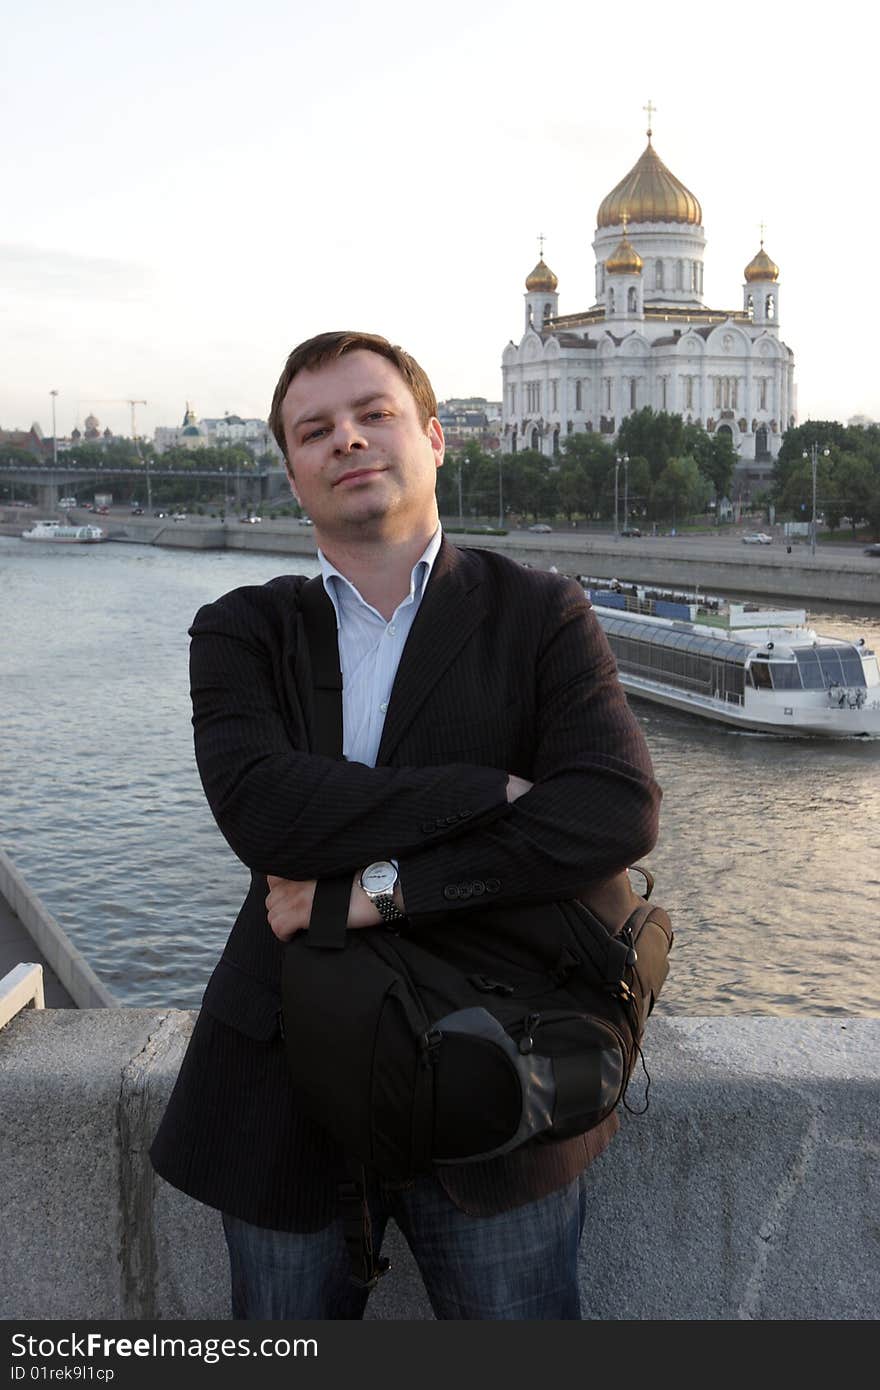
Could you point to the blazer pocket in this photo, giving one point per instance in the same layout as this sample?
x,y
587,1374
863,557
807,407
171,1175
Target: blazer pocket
x,y
243,1001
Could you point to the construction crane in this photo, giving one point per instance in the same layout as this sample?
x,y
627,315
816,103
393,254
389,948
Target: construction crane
x,y
127,400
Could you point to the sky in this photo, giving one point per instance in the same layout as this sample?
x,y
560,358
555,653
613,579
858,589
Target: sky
x,y
189,189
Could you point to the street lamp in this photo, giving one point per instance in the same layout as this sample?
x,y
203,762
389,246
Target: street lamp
x,y
813,456
53,394
621,459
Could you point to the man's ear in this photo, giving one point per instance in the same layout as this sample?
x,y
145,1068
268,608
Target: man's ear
x,y
438,443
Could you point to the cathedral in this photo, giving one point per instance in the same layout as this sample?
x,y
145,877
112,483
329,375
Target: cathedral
x,y
649,340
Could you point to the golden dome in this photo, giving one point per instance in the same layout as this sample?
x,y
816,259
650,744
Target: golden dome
x,y
625,260
649,193
761,267
542,278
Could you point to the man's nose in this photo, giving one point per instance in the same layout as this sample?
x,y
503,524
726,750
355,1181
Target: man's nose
x,y
347,436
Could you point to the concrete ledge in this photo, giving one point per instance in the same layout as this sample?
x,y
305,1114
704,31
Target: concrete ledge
x,y
749,1191
71,967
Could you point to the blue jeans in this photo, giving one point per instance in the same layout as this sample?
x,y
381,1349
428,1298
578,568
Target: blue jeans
x,y
518,1265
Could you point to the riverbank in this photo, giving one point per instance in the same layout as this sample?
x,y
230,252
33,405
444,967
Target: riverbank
x,y
712,563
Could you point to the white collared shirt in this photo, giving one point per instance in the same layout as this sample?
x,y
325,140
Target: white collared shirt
x,y
370,650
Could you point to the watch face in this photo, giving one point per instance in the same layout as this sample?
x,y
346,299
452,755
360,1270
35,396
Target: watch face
x,y
379,877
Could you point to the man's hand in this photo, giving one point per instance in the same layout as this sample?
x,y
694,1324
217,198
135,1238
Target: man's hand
x,y
289,905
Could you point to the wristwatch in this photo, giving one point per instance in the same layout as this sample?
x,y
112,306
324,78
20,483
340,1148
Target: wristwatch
x,y
378,881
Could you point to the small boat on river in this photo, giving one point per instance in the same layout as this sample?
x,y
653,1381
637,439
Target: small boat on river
x,y
760,669
58,531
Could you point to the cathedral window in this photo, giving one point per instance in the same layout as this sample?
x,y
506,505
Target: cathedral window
x,y
693,266
611,301
632,301
688,393
750,306
771,306
762,393
658,274
679,275
608,392
717,380
548,312
533,397
554,394
632,393
578,396
513,398
663,381
734,382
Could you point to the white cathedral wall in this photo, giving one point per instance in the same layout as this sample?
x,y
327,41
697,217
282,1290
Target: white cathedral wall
x,y
670,242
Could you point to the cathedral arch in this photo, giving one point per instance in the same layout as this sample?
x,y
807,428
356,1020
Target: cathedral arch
x,y
632,300
535,439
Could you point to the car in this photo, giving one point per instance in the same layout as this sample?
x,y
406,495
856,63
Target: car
x,y
160,514
102,511
178,516
137,511
250,520
757,538
305,521
630,531
541,528
873,550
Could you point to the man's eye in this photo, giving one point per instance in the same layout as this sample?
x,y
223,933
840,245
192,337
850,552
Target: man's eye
x,y
377,415
314,434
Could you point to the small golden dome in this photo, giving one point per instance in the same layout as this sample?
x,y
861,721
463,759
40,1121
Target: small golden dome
x,y
649,193
761,267
542,278
625,260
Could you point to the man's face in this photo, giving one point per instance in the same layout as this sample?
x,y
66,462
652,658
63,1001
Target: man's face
x,y
360,463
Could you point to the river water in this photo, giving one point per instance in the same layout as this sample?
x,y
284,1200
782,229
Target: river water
x,y
768,859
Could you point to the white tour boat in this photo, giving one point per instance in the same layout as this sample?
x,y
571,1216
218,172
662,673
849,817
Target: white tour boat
x,y
758,669
57,531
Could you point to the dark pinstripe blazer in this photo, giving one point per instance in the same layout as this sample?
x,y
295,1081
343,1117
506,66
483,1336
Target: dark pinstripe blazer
x,y
505,670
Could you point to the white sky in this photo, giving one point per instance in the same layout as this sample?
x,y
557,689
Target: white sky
x,y
192,187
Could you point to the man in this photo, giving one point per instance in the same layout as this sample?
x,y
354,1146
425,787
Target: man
x,y
489,750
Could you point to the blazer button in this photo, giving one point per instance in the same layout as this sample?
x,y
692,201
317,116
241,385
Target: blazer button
x,y
428,827
465,890
451,891
493,885
478,887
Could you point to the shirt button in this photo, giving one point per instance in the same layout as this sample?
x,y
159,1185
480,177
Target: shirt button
x,y
384,706
391,629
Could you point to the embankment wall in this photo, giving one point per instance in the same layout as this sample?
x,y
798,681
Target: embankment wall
x,y
748,1191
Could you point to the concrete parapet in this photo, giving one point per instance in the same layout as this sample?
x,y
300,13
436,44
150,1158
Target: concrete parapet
x,y
749,1191
70,966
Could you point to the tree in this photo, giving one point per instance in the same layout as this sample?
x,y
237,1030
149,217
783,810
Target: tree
x,y
681,489
654,435
586,462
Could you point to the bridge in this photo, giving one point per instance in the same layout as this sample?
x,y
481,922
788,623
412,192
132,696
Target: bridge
x,y
261,482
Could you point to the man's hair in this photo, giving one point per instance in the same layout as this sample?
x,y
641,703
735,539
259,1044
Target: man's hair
x,y
329,347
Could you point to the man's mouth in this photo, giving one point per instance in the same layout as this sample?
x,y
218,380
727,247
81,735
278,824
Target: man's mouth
x,y
355,474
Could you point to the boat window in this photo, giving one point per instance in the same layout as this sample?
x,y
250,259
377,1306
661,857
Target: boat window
x,y
786,675
811,673
761,675
853,672
830,664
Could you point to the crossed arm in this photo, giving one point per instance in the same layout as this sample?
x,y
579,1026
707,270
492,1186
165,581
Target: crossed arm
x,y
289,902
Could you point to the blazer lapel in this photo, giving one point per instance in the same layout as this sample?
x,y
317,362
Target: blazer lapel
x,y
451,609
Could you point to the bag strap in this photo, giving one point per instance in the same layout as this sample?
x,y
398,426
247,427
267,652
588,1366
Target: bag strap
x,y
327,922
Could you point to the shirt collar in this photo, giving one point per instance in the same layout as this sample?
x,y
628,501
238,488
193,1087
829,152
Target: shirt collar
x,y
338,585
